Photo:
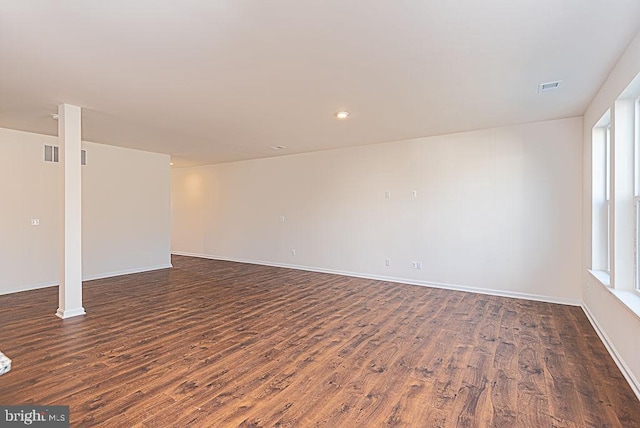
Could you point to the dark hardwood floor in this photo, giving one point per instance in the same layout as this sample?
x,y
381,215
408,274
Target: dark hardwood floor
x,y
220,344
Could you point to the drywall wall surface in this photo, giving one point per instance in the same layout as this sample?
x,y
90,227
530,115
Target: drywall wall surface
x,y
487,210
627,67
126,200
28,190
126,209
617,325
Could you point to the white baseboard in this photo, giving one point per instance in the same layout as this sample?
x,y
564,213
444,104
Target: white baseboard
x,y
126,272
622,365
69,313
492,292
29,287
88,278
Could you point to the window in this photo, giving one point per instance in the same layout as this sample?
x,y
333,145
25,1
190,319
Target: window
x,y
615,199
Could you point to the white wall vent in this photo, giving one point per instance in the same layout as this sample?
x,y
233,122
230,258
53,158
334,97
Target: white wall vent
x,y
51,153
549,86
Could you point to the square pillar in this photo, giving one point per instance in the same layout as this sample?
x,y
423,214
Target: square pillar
x,y
70,288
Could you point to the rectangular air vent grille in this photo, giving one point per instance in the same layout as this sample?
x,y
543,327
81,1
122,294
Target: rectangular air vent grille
x,y
549,86
51,153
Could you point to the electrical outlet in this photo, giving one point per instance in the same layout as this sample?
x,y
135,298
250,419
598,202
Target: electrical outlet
x,y
387,262
293,252
416,265
414,193
35,222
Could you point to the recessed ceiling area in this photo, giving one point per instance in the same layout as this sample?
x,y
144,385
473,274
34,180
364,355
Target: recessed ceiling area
x,y
207,82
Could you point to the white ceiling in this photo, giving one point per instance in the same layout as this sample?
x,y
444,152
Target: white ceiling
x,y
217,81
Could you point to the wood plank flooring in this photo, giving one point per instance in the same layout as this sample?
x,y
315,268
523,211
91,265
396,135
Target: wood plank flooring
x,y
220,344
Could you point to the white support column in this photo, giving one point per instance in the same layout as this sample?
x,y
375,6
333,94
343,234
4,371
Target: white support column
x,y
70,288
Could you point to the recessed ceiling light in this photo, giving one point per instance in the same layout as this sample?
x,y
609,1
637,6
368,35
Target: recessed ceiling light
x,y
342,114
277,147
549,86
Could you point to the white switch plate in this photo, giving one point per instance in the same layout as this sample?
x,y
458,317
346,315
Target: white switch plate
x,y
387,262
293,252
387,194
35,222
282,218
414,193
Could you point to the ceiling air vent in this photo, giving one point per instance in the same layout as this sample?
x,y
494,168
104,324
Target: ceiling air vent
x,y
549,86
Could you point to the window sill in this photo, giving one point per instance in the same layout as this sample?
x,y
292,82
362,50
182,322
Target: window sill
x,y
629,298
602,276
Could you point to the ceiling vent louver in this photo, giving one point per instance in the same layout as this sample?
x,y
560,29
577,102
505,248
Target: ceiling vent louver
x,y
51,153
549,86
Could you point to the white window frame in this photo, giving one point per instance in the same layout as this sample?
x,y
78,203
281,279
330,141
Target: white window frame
x,y
601,199
607,191
636,168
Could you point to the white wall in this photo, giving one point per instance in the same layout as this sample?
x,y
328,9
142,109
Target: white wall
x,y
125,203
28,189
126,207
496,210
618,325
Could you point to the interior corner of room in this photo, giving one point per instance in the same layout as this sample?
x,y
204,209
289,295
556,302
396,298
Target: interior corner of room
x,y
544,210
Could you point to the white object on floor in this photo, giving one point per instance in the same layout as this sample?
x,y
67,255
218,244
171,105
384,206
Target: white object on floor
x,y
5,364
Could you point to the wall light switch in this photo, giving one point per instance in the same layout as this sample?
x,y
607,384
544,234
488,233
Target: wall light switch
x,y
35,222
414,193
387,194
282,218
293,252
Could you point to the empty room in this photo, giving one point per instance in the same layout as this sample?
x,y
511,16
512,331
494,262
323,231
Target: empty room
x,y
318,213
